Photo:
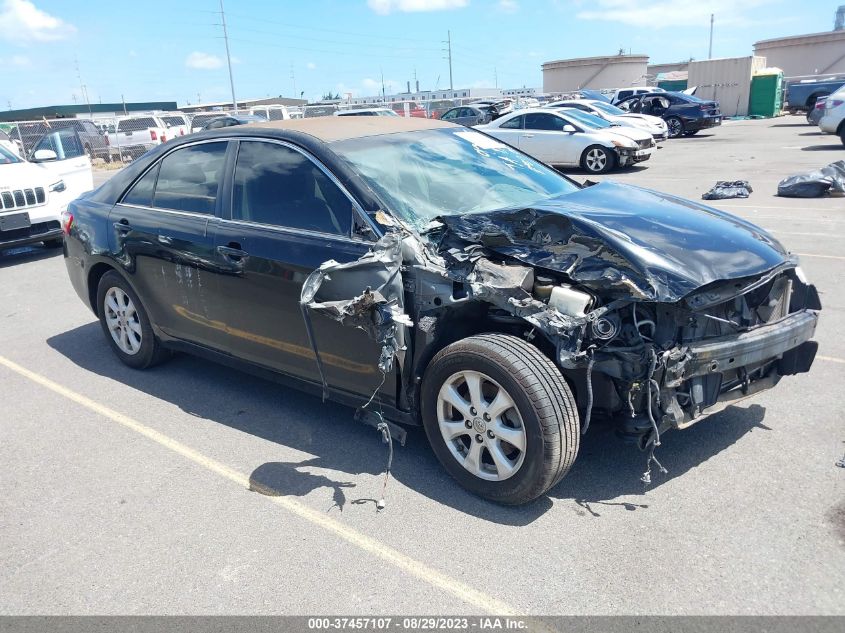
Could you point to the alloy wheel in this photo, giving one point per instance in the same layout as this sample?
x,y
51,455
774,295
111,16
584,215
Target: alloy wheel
x,y
481,425
596,159
123,321
675,127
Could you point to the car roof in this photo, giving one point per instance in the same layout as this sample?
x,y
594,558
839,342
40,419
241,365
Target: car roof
x,y
332,128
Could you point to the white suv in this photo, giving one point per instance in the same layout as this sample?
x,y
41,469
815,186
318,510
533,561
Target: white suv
x,y
833,119
33,195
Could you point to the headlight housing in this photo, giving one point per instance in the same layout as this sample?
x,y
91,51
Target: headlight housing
x,y
624,145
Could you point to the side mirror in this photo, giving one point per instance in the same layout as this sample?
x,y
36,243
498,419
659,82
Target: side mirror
x,y
569,128
44,155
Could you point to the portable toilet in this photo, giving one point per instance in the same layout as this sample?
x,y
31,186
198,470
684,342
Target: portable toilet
x,y
766,92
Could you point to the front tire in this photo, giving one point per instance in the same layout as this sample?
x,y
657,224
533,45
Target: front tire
x,y
676,126
500,417
598,160
126,324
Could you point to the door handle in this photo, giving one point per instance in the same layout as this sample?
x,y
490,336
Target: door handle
x,y
233,252
527,136
123,226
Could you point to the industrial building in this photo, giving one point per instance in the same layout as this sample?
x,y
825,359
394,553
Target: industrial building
x,y
82,110
426,95
243,104
802,55
613,71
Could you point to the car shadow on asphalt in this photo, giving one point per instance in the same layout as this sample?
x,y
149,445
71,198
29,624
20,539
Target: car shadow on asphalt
x,y
26,254
838,147
605,470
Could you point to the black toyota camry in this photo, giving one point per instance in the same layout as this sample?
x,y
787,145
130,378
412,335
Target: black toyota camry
x,y
430,274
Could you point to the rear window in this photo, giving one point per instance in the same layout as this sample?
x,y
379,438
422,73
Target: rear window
x,y
133,125
173,120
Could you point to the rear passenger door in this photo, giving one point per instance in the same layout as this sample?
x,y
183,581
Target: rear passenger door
x,y
162,233
287,217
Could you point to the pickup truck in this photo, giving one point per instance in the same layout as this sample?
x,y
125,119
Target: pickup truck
x,y
801,94
134,136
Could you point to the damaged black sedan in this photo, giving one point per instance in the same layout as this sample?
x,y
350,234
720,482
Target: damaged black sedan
x,y
426,273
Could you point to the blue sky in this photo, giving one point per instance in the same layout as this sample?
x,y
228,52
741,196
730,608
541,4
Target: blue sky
x,y
157,50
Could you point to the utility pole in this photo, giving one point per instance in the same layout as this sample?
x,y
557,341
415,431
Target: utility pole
x,y
293,78
82,86
228,57
448,51
123,101
710,52
383,98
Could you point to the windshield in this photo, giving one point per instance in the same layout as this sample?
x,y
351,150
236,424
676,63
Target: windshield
x,y
425,174
607,108
585,118
7,157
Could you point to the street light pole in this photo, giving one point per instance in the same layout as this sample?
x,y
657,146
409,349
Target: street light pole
x,y
710,51
228,57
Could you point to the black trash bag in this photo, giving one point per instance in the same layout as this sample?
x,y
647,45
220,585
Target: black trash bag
x,y
815,184
725,189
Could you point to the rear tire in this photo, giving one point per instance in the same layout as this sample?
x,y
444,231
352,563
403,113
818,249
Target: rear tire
x,y
598,160
675,125
126,324
513,435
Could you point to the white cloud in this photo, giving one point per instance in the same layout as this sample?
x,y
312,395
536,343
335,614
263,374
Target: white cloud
x,y
16,61
383,7
667,13
22,22
203,61
311,66
508,6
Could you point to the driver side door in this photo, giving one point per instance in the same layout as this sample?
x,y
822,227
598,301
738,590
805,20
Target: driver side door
x,y
544,138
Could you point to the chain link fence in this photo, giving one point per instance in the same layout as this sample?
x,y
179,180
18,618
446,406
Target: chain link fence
x,y
114,141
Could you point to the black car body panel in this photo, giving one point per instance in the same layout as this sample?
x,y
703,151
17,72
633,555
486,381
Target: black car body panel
x,y
627,240
679,297
695,113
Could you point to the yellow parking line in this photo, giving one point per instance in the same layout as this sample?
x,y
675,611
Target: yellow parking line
x,y
831,359
360,540
821,256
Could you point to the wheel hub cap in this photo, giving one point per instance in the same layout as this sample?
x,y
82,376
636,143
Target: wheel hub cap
x,y
481,425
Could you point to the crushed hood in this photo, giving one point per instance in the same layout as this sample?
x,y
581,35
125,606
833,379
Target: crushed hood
x,y
628,241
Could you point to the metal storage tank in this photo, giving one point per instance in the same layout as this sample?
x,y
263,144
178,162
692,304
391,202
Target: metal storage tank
x,y
801,55
612,71
766,92
727,81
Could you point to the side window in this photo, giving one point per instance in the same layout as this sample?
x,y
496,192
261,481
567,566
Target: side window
x,y
624,94
513,124
64,142
141,193
542,121
451,114
188,178
277,185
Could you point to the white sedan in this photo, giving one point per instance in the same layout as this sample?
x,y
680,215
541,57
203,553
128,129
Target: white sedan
x,y
654,125
565,137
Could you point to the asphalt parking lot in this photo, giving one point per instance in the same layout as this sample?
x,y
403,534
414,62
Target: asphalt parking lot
x,y
192,489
